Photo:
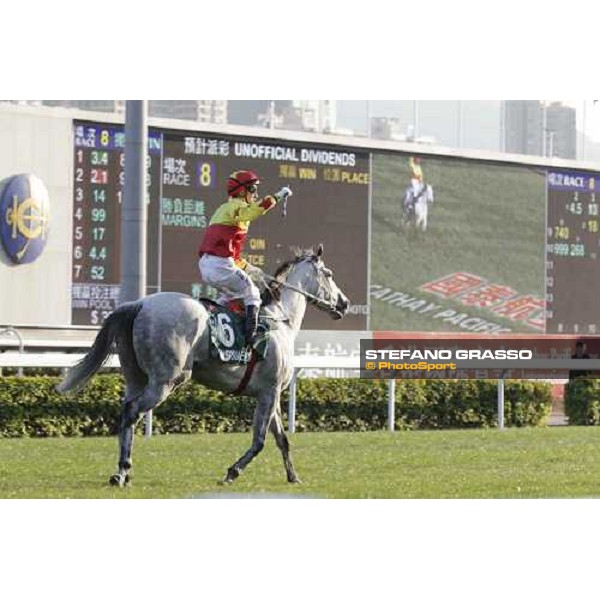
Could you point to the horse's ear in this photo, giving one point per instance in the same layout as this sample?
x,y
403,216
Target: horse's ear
x,y
320,251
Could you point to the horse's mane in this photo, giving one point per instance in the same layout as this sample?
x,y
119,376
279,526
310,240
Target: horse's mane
x,y
272,291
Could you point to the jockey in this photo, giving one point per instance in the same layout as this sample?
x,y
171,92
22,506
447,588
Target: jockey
x,y
416,185
221,264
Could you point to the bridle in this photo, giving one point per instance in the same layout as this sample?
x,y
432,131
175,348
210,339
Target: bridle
x,y
326,302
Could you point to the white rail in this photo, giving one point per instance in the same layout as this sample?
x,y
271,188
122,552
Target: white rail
x,y
59,360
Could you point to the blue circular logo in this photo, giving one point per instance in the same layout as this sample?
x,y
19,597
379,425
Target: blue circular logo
x,y
24,217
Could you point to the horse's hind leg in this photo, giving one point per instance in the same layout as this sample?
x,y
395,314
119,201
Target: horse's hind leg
x,y
134,406
283,444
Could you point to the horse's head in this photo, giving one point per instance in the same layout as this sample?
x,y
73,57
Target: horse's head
x,y
329,296
309,273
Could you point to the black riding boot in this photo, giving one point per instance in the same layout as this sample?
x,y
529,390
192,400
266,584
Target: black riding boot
x,y
251,323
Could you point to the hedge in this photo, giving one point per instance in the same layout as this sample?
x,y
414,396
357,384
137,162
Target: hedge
x,y
361,405
582,401
29,406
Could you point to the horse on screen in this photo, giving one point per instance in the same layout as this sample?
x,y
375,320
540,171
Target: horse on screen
x,y
416,207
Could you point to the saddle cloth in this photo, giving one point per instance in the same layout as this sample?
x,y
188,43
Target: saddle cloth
x,y
227,334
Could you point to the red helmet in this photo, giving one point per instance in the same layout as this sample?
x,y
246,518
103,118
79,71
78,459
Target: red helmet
x,y
240,180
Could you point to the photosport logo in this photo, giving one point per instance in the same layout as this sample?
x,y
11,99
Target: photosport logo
x,y
24,217
497,357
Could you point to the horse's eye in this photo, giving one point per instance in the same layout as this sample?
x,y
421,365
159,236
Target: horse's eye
x,y
328,272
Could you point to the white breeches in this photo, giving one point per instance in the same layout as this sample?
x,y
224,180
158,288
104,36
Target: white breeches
x,y
416,187
230,280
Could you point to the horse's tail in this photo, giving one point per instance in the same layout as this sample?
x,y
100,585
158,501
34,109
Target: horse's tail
x,y
117,327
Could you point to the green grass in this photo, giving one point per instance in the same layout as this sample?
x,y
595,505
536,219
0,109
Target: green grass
x,y
558,462
486,220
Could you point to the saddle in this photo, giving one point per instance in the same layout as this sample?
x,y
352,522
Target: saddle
x,y
227,341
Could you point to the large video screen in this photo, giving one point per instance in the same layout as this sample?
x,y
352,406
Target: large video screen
x,y
478,266
495,247
573,248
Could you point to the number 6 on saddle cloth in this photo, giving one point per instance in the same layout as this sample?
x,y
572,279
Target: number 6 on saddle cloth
x,y
227,335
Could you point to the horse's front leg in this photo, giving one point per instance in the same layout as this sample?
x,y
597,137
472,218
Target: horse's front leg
x,y
262,417
284,446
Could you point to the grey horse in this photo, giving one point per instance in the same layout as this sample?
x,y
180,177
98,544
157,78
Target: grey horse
x,y
416,206
163,340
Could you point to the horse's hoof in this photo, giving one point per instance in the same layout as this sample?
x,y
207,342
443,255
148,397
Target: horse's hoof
x,y
295,480
119,480
232,473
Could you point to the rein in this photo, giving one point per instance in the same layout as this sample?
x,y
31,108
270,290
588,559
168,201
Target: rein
x,y
247,374
312,299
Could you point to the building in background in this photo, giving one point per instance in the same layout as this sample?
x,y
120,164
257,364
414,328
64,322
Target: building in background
x,y
530,127
207,111
245,112
473,124
561,131
523,127
316,115
256,113
534,127
212,111
302,115
173,109
516,126
112,106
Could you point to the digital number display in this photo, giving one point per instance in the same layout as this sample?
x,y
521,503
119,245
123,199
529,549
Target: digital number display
x,y
188,173
99,161
572,253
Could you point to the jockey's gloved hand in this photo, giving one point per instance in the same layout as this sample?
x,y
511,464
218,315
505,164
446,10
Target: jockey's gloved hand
x,y
283,194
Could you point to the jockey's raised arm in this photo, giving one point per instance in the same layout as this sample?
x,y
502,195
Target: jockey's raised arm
x,y
416,184
221,264
416,172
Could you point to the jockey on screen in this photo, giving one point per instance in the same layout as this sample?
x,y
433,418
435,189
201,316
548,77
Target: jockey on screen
x,y
221,264
416,185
